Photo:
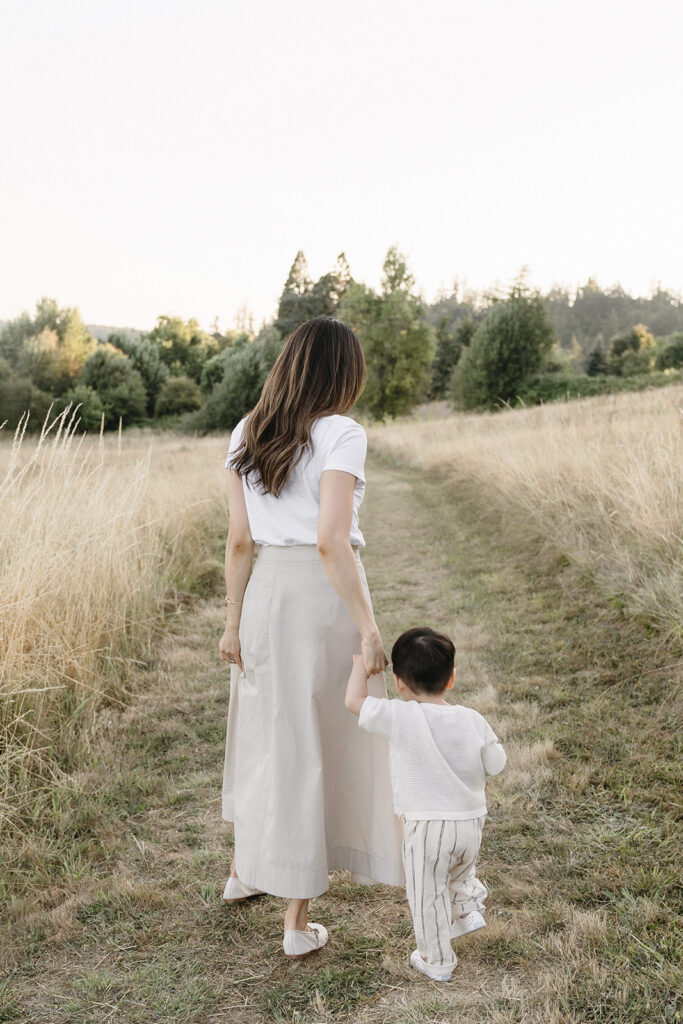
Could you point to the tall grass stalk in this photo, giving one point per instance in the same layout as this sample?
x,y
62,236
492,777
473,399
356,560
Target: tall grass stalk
x,y
96,535
598,481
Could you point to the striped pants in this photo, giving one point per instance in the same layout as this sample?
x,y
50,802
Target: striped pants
x,y
440,859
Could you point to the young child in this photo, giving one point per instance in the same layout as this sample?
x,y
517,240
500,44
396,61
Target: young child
x,y
439,754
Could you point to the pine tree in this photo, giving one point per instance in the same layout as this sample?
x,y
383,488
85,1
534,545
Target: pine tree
x,y
399,344
294,307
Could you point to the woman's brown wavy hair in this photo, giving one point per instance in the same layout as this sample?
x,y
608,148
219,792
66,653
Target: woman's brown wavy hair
x,y
320,371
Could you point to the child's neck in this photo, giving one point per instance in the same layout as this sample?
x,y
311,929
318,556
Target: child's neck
x,y
427,698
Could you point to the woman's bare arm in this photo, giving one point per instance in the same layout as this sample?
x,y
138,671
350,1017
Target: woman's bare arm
x,y
336,554
239,552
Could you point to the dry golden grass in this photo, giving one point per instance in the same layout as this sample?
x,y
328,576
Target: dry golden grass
x,y
96,536
111,903
598,481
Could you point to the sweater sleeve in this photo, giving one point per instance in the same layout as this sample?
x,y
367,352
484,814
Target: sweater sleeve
x,y
377,715
493,756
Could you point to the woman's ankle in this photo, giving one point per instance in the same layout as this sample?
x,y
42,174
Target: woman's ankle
x,y
296,915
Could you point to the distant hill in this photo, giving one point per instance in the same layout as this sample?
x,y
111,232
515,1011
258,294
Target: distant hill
x,y
100,331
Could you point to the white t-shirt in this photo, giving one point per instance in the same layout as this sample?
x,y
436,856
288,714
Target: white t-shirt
x,y
439,755
337,442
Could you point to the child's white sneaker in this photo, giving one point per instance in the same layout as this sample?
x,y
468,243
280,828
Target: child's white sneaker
x,y
464,925
436,974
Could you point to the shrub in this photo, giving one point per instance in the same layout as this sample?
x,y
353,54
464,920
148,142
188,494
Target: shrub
x,y
19,395
638,340
118,384
39,359
213,370
670,356
555,387
596,364
245,367
508,347
183,346
237,393
178,394
146,358
91,408
634,363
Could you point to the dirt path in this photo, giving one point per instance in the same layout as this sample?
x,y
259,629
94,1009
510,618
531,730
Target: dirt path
x,y
149,939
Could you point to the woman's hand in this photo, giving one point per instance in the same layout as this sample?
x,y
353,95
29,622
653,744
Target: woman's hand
x,y
229,647
374,658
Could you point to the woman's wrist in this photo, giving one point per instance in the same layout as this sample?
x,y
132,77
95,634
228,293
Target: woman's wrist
x,y
371,635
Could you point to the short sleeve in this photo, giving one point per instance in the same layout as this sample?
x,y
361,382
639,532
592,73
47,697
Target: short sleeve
x,y
235,441
377,715
493,755
347,451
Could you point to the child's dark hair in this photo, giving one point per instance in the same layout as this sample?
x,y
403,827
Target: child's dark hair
x,y
423,659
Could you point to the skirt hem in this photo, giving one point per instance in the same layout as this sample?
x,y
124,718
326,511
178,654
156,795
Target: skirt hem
x,y
307,884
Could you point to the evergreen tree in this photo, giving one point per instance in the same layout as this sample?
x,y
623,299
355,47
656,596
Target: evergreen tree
x,y
302,300
295,305
450,341
508,347
329,290
399,344
596,364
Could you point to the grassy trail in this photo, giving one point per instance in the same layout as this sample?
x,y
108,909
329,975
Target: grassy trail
x,y
579,851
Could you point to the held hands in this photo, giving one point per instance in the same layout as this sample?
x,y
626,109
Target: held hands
x,y
229,647
374,658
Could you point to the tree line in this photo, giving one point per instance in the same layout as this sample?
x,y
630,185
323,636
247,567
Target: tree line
x,y
477,350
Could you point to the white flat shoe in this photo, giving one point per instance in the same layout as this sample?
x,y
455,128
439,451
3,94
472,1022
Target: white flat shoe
x,y
435,973
464,925
236,891
297,943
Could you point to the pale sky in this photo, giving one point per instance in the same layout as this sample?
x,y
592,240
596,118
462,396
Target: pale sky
x,y
171,156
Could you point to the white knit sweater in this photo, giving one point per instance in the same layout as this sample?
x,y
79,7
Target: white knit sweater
x,y
440,756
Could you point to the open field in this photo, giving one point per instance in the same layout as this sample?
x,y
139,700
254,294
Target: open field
x,y
111,897
97,538
598,481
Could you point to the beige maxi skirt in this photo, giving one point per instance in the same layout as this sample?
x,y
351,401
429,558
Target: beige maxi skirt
x,y
307,789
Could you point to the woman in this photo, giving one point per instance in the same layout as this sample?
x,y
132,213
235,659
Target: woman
x,y
307,790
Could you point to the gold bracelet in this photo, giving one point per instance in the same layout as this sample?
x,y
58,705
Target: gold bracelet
x,y
230,600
